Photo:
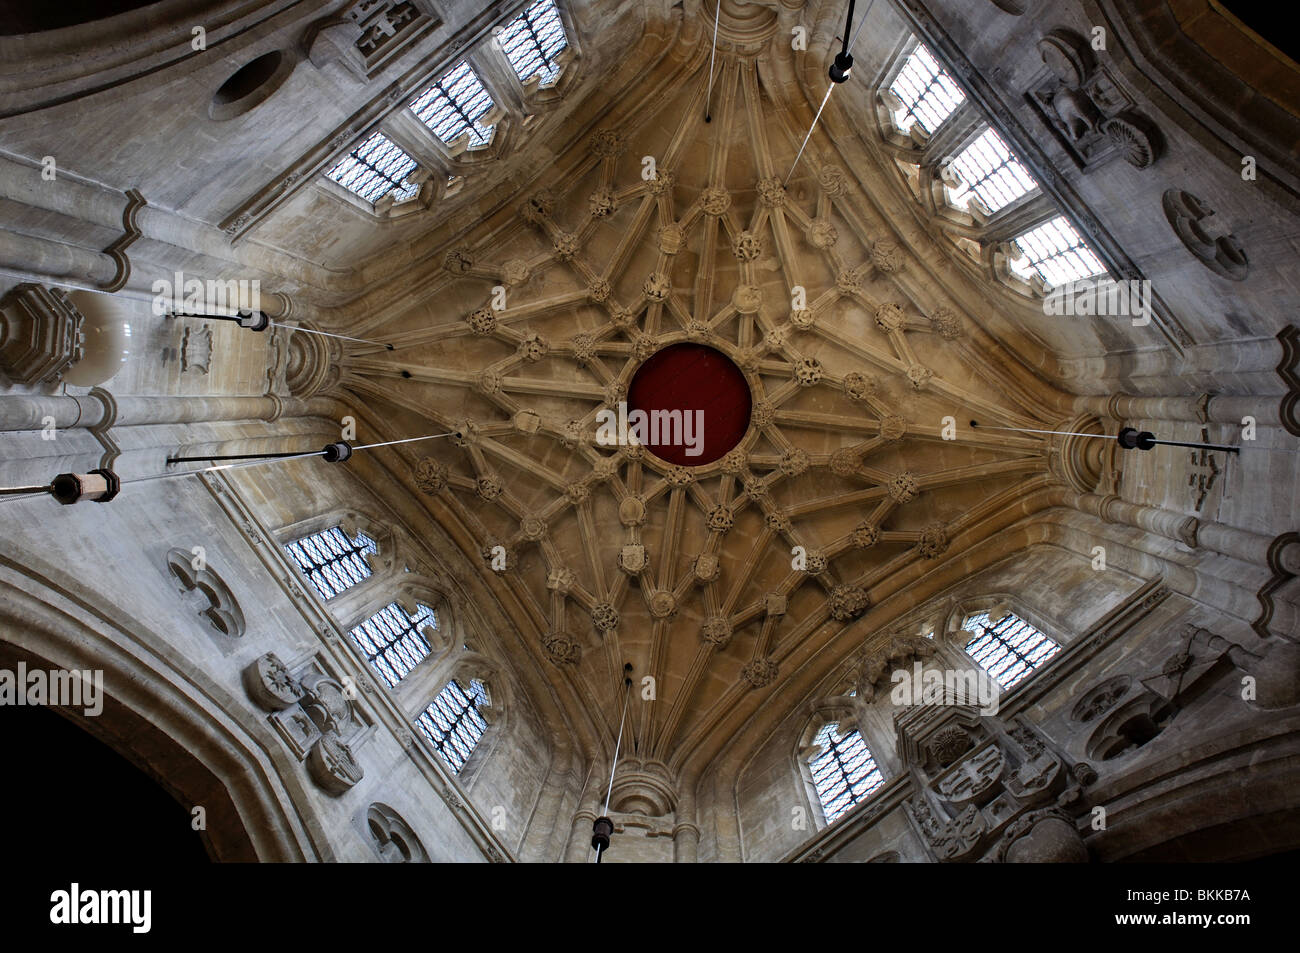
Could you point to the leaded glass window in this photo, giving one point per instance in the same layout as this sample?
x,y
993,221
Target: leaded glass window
x,y
332,562
374,169
844,772
455,104
928,93
1057,253
1009,649
392,642
533,40
990,170
452,722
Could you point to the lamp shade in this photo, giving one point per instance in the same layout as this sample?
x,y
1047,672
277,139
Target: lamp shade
x,y
107,333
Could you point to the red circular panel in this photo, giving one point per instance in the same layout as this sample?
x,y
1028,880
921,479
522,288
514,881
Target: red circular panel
x,y
706,387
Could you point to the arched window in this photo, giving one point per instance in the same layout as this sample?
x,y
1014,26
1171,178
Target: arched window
x,y
533,40
392,641
330,561
374,169
452,722
1057,253
929,95
454,105
990,172
844,772
1009,649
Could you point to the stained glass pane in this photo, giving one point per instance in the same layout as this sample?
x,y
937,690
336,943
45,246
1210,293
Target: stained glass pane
x,y
375,168
1057,253
533,40
452,722
330,561
1010,649
454,104
928,93
989,170
844,773
392,642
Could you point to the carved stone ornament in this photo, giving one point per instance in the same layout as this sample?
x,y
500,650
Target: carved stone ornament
x,y
808,371
561,650
632,558
608,143
1101,698
903,488
717,630
312,713
196,349
715,201
847,602
865,535
604,617
771,192
759,672
879,665
269,683
392,837
332,764
706,567
458,261
211,596
1206,235
948,744
1086,107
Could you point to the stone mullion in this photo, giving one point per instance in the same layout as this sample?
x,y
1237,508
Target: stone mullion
x,y
516,459
658,650
548,388
671,540
1217,409
754,113
587,526
885,363
100,409
745,571
627,244
833,502
364,387
957,475
679,311
699,663
705,278
618,591
785,248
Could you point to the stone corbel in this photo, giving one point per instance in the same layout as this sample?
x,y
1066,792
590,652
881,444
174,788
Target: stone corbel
x,y
1284,562
130,232
1289,371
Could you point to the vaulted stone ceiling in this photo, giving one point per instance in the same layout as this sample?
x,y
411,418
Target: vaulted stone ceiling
x,y
686,572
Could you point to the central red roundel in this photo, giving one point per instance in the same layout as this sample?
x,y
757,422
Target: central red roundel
x,y
695,403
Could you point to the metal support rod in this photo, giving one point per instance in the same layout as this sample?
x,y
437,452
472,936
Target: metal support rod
x,y
1106,436
708,100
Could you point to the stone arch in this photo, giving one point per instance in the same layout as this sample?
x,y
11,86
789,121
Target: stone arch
x,y
154,716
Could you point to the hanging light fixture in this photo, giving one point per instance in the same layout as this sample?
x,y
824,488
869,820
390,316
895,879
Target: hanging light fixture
x,y
839,73
260,321
603,827
103,485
